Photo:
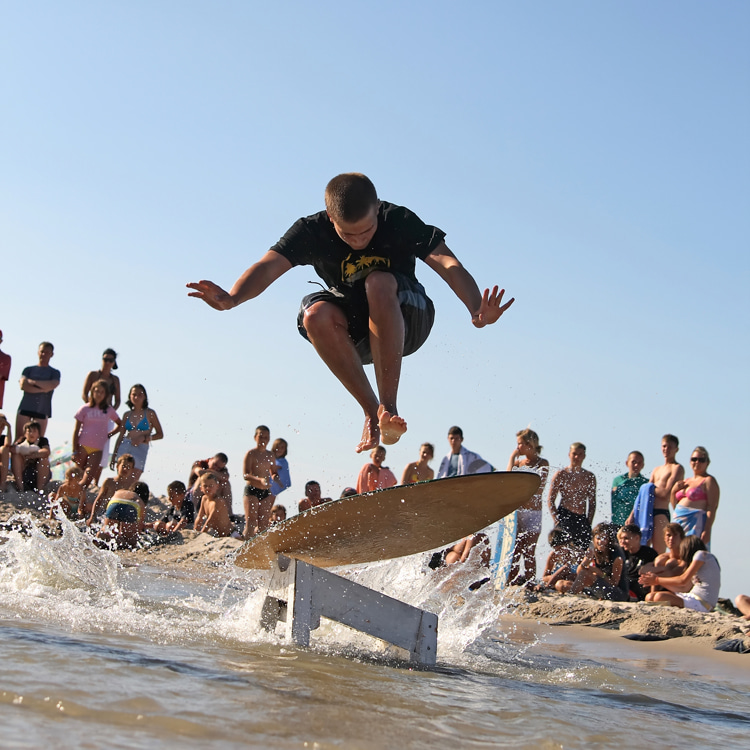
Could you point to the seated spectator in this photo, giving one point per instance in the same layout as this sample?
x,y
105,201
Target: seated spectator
x,y
30,459
70,496
212,517
577,489
6,441
312,496
561,561
636,556
123,480
696,500
124,517
180,513
669,563
278,514
348,492
375,476
625,488
697,588
420,471
601,573
459,552
742,602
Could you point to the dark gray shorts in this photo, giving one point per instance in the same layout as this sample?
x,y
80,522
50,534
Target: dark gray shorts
x,y
416,307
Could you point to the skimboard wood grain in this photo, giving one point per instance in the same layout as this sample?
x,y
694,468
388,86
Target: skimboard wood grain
x,y
394,522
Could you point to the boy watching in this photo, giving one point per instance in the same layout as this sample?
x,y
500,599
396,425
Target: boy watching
x,y
212,516
181,512
461,461
374,310
636,556
30,459
577,489
625,488
258,469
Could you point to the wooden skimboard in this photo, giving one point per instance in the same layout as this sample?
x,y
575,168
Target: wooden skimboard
x,y
502,558
394,522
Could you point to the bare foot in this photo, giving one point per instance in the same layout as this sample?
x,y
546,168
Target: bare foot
x,y
370,436
392,427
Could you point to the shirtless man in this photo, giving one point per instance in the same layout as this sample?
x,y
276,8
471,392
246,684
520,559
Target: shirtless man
x,y
312,496
577,489
258,470
374,311
664,479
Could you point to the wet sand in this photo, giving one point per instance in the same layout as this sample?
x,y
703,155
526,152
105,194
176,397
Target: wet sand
x,y
569,625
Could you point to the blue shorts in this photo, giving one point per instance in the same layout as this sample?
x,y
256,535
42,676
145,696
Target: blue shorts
x,y
122,511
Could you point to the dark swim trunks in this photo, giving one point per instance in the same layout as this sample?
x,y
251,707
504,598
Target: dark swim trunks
x,y
416,307
577,526
661,512
251,491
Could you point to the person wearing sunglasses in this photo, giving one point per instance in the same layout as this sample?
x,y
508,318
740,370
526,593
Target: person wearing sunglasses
x,y
109,363
695,500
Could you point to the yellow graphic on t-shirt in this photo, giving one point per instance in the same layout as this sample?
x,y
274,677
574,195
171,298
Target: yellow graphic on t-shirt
x,y
353,269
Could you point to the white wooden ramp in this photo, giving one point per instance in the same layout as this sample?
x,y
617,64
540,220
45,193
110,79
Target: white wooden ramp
x,y
299,594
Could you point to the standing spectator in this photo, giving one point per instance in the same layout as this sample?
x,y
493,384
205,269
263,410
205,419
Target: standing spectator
x,y
664,479
38,383
4,370
696,500
375,476
526,457
109,363
461,460
258,467
281,480
91,432
577,489
5,442
420,471
140,426
625,488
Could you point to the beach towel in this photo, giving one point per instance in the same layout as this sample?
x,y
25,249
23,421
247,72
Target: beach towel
x,y
693,520
643,511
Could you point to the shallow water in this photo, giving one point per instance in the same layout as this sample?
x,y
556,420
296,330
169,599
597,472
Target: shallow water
x,y
100,655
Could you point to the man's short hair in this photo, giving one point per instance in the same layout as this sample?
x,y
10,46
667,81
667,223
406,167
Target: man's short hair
x,y
222,457
636,453
46,344
309,484
262,427
455,430
177,486
578,447
350,197
671,439
632,528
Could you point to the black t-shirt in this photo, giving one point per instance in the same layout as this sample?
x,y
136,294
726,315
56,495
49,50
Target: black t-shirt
x,y
401,238
633,563
186,511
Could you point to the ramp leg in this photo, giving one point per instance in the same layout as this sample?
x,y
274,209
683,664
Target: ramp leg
x,y
301,594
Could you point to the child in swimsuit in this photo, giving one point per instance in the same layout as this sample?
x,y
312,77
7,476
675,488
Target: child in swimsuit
x,y
70,495
92,431
213,516
125,516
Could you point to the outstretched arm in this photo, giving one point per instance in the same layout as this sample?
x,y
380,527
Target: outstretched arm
x,y
255,280
485,308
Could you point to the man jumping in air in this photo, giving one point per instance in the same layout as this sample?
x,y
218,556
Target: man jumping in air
x,y
374,311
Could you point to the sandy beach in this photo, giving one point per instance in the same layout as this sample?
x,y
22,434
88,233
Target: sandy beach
x,y
569,623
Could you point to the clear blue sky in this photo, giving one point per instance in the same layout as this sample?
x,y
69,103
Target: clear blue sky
x,y
592,158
